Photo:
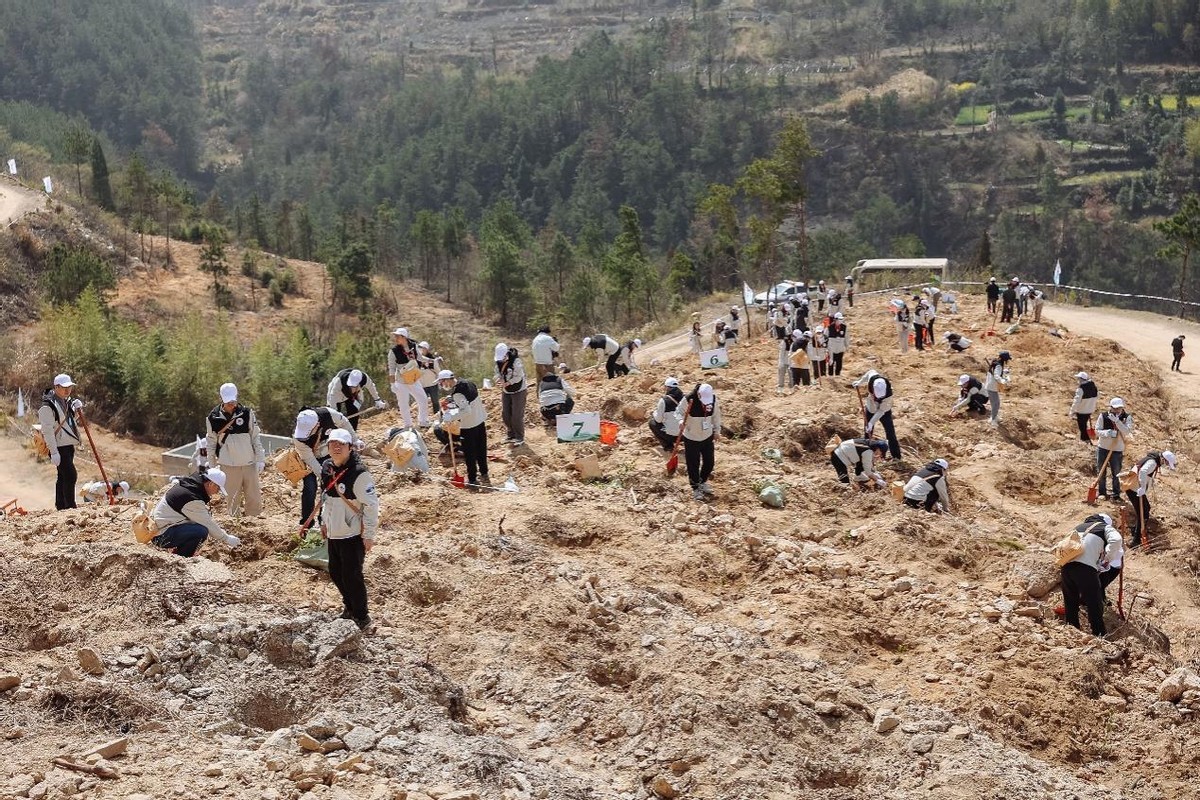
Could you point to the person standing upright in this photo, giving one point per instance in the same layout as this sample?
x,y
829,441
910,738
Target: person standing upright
x,y
345,392
993,295
920,321
664,422
1112,428
839,342
850,291
545,352
877,407
1147,471
464,416
903,323
430,364
700,425
1037,298
799,361
1008,301
1084,404
310,438
734,329
235,445
349,522
997,376
818,351
510,379
59,417
1177,352
404,376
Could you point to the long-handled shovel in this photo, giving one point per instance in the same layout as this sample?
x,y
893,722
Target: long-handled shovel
x,y
1094,490
96,454
673,461
457,480
862,409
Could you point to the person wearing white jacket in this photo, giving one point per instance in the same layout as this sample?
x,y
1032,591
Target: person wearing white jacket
x,y
1081,576
839,342
404,376
927,487
311,438
903,323
349,522
859,455
545,352
818,351
345,391
59,419
1147,470
1084,404
997,375
182,517
664,423
510,379
235,445
700,421
1113,427
464,416
877,404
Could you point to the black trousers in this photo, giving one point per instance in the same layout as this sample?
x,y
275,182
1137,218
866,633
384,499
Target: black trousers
x,y
928,504
843,471
699,458
800,376
474,442
1109,576
308,500
64,484
550,412
665,439
835,368
889,429
991,306
350,408
1006,314
613,368
977,403
919,336
346,571
1177,357
820,367
1082,421
1081,587
1135,529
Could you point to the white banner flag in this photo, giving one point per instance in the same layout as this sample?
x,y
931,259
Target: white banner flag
x,y
12,166
747,294
48,184
1057,270
20,404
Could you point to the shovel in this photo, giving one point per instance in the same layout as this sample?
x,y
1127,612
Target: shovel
x,y
1093,490
862,408
673,461
96,453
457,480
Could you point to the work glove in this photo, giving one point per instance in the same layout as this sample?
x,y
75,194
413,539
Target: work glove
x,y
260,465
76,404
870,428
233,541
359,445
55,457
380,405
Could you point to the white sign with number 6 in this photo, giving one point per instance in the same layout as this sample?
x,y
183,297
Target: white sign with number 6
x,y
583,427
714,359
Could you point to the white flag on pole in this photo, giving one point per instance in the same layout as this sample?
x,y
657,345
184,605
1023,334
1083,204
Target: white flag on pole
x,y
20,404
1057,270
48,184
12,166
747,294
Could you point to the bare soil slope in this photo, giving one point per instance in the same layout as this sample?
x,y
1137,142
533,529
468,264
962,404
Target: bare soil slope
x,y
616,639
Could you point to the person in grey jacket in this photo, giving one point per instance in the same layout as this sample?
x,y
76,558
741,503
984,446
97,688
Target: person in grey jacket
x,y
1081,577
59,418
514,391
349,522
699,430
235,445
182,516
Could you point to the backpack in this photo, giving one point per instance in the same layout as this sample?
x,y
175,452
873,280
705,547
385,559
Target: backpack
x,y
39,442
1070,547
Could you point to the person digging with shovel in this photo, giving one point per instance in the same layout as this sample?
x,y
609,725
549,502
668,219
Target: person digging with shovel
x,y
464,416
1147,471
1112,428
700,423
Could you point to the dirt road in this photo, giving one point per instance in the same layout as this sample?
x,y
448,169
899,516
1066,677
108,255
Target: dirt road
x,y
16,201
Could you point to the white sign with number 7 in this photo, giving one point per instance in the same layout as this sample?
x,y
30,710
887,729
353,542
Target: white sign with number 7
x,y
584,427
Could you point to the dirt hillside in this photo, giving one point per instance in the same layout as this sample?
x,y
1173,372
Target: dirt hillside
x,y
616,639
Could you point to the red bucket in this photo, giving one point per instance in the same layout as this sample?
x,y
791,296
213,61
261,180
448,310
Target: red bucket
x,y
608,432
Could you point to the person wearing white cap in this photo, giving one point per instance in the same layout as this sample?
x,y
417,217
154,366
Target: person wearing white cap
x,y
877,407
97,491
997,376
822,294
1084,405
903,323
1037,298
1081,575
349,522
624,361
780,320
850,290
993,295
607,345
818,351
700,423
834,299
200,455
182,516
510,379
545,352
799,361
956,341
58,417
664,423
1146,471
927,487
935,296
971,395
404,376
1112,427
431,364
555,396
859,454
463,416
345,391
235,445
733,328
310,438
921,321
839,341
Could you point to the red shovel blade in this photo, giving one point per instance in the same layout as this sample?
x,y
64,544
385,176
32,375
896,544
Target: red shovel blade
x,y
672,464
1093,493
458,481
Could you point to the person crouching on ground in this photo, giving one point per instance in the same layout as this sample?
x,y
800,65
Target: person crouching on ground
x,y
182,516
859,454
927,487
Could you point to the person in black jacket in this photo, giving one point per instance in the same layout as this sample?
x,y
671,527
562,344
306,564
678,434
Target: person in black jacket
x,y
1009,301
993,294
1177,352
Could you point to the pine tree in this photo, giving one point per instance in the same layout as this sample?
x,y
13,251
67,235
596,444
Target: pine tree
x,y
212,261
101,187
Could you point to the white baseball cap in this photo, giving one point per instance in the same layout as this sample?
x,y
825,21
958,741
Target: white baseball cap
x,y
587,340
216,476
501,352
123,486
400,332
1107,519
63,380
446,375
228,393
672,382
897,302
637,342
1116,402
705,393
943,463
797,334
423,344
355,378
1169,457
306,421
839,315
342,436
1083,376
963,380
